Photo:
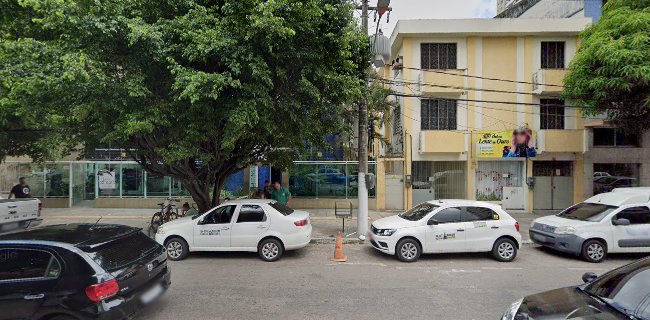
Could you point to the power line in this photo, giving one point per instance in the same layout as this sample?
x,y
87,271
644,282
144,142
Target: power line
x,y
493,101
435,85
479,77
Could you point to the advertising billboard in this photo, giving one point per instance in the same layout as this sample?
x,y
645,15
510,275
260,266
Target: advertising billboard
x,y
518,143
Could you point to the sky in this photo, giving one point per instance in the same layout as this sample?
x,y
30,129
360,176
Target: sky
x,y
433,9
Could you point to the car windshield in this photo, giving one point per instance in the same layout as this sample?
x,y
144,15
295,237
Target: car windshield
x,y
418,212
281,208
587,211
626,289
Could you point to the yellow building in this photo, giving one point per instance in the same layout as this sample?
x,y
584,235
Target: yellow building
x,y
467,89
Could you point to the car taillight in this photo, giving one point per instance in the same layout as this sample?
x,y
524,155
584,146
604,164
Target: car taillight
x,y
301,223
517,226
102,291
40,207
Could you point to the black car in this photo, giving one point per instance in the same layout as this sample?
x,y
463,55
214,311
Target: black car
x,y
79,271
622,293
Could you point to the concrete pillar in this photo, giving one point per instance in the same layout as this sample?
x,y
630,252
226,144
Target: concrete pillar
x,y
380,185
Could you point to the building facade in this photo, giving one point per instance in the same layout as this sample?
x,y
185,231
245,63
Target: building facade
x,y
480,113
550,9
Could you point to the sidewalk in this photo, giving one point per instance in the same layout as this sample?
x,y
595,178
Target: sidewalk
x,y
325,225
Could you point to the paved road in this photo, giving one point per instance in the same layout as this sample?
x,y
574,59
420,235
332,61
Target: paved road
x,y
306,285
371,285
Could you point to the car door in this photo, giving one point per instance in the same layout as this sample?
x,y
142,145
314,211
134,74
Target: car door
x,y
447,233
481,229
27,278
252,222
213,232
634,237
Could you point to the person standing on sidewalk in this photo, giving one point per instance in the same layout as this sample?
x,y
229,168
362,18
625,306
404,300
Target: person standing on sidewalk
x,y
21,190
280,194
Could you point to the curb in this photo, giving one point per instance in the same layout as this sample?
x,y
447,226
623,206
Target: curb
x,y
328,240
331,240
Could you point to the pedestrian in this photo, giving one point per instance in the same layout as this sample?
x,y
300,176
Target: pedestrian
x,y
280,194
21,190
268,189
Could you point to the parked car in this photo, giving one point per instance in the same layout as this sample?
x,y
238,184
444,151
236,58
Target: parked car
x,y
622,293
447,226
607,184
601,174
79,271
617,221
19,214
263,226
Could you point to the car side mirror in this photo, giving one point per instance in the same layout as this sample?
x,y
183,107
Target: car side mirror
x,y
432,222
589,277
621,222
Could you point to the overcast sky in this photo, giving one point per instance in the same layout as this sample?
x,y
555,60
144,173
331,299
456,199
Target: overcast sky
x,y
434,9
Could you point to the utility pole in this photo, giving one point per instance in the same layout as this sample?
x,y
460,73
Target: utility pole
x,y
362,194
362,145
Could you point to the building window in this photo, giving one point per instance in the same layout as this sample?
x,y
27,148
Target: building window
x,y
614,137
552,55
551,114
438,114
438,55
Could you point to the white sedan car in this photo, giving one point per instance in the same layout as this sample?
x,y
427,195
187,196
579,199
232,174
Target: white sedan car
x,y
263,226
443,226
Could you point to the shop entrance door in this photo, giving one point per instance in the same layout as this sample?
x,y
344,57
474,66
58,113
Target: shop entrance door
x,y
553,185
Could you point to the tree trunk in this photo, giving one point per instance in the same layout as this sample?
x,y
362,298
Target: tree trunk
x,y
200,192
220,180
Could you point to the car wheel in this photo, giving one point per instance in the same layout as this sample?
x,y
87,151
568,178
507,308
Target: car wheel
x,y
408,250
270,249
594,251
504,250
177,249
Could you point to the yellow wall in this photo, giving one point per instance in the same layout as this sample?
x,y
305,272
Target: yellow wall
x,y
438,141
496,57
564,140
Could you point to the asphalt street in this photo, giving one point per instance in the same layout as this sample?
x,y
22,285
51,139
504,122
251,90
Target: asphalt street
x,y
305,284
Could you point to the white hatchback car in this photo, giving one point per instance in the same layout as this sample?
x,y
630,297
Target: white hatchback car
x,y
617,221
442,226
263,226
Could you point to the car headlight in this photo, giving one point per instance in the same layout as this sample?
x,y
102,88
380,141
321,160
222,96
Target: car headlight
x,y
512,310
161,230
565,230
385,232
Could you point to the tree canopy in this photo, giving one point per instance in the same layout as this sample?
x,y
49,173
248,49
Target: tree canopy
x,y
610,73
199,88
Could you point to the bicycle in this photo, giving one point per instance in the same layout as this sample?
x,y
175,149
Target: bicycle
x,y
168,212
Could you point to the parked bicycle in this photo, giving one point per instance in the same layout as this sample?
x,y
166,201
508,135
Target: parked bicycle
x,y
168,212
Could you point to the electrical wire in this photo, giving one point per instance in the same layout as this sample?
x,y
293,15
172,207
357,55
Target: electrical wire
x,y
478,77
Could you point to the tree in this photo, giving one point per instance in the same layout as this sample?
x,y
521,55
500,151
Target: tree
x,y
200,89
611,71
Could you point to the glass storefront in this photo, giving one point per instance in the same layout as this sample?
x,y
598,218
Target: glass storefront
x,y
336,180
127,179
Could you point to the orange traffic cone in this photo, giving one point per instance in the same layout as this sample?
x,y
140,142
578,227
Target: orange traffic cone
x,y
338,251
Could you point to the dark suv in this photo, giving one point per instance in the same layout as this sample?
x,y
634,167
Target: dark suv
x,y
79,271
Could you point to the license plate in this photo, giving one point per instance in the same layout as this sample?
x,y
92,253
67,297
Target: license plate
x,y
539,238
152,294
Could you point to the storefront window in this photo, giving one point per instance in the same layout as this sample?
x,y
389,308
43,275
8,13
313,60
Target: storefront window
x,y
132,180
492,176
57,180
157,185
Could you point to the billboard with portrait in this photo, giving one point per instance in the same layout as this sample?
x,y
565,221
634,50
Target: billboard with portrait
x,y
518,143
